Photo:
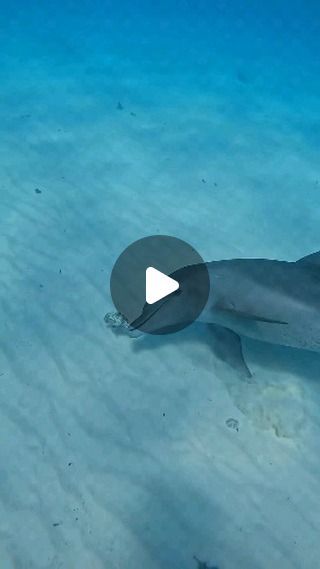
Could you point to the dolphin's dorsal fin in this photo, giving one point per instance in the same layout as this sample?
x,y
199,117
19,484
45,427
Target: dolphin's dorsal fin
x,y
248,315
313,259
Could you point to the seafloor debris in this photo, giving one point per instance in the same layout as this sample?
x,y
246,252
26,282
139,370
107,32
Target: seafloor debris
x,y
116,320
203,564
119,324
232,424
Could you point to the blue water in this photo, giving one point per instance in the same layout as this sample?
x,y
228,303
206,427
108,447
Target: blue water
x,y
120,120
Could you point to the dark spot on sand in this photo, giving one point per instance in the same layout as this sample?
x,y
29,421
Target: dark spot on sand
x,y
242,77
56,524
204,181
119,106
37,191
233,424
203,564
133,114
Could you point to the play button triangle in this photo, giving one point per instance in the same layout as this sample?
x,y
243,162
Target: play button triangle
x,y
158,285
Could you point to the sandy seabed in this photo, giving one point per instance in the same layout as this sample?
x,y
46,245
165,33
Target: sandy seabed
x,y
123,454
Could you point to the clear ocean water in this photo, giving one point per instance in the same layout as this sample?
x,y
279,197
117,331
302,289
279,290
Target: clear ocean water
x,y
199,120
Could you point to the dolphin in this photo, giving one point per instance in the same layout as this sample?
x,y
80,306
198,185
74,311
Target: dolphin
x,y
264,299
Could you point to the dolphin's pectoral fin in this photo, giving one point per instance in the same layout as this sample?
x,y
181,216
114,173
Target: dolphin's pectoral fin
x,y
313,259
227,347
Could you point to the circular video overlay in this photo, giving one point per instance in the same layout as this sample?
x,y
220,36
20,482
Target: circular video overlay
x,y
159,284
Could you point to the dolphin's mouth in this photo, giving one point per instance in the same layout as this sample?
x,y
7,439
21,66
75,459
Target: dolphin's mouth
x,y
149,311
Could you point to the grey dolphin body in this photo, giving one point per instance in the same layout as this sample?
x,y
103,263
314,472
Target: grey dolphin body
x,y
269,300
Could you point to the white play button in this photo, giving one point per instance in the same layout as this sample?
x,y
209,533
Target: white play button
x,y
138,289
158,285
